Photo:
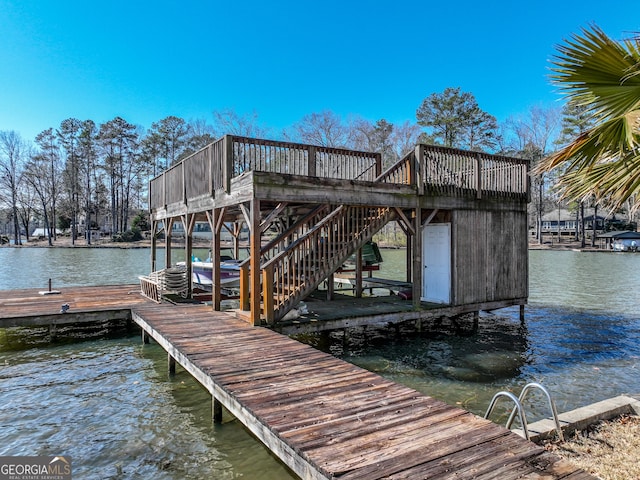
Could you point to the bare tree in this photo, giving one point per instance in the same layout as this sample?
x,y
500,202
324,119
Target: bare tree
x,y
532,136
45,171
324,128
12,149
228,121
404,138
199,135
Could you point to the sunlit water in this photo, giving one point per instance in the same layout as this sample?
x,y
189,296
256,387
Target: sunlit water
x,y
110,404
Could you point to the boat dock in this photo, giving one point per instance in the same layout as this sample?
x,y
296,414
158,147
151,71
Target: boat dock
x,y
322,417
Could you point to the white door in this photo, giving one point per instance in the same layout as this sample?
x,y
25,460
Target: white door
x,y
436,259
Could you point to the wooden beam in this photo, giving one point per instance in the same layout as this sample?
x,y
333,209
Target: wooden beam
x,y
154,244
430,217
172,364
417,260
247,216
189,221
216,295
359,273
254,251
167,241
273,215
405,220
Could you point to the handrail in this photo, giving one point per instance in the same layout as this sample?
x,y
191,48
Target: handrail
x,y
403,167
321,251
552,406
311,232
518,407
306,220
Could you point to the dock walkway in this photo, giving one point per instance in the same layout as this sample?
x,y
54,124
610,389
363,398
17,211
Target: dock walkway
x,y
323,417
328,419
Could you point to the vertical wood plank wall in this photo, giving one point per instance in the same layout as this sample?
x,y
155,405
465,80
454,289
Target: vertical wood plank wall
x,y
490,255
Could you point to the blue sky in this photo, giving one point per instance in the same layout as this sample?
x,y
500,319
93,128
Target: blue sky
x,y
282,60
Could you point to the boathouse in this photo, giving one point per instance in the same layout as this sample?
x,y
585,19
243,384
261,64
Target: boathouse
x,y
308,209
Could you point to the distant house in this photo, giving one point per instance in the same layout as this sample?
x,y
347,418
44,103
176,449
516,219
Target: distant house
x,y
44,232
566,222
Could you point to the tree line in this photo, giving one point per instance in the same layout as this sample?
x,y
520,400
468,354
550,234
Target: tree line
x,y
98,174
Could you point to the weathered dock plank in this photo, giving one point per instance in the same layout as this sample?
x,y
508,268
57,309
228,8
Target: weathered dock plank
x,y
27,307
326,418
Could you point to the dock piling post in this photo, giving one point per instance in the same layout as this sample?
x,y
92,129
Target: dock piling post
x,y
522,314
172,364
145,338
216,409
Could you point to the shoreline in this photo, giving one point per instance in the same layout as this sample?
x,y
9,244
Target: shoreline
x,y
574,246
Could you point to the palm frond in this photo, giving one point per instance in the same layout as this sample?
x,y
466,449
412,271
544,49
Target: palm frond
x,y
593,69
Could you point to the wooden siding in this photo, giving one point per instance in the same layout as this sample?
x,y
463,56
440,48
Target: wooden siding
x,y
490,256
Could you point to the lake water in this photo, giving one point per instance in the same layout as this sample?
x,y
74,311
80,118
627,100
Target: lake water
x,y
110,404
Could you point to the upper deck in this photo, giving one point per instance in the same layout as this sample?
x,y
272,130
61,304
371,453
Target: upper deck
x,y
235,169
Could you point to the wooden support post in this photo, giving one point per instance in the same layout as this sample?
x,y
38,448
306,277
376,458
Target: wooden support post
x,y
154,244
522,314
359,273
267,294
145,337
172,364
409,257
311,161
254,251
53,329
330,287
168,225
216,409
245,294
476,321
216,229
189,223
417,260
419,172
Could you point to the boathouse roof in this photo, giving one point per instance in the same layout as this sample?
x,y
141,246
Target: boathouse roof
x,y
622,234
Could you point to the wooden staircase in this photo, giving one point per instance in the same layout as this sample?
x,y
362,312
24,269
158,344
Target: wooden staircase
x,y
301,258
295,272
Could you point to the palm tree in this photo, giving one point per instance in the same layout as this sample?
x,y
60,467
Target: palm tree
x,y
596,72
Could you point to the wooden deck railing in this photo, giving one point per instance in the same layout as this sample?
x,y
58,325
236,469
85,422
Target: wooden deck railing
x,y
435,170
211,169
461,173
402,173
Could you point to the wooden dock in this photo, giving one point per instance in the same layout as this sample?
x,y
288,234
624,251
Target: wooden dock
x,y
39,307
326,418
323,417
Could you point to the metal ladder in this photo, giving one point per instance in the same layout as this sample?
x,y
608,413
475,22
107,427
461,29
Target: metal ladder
x,y
517,409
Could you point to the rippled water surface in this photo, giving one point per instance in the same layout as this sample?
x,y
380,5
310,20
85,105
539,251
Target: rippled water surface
x,y
110,404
